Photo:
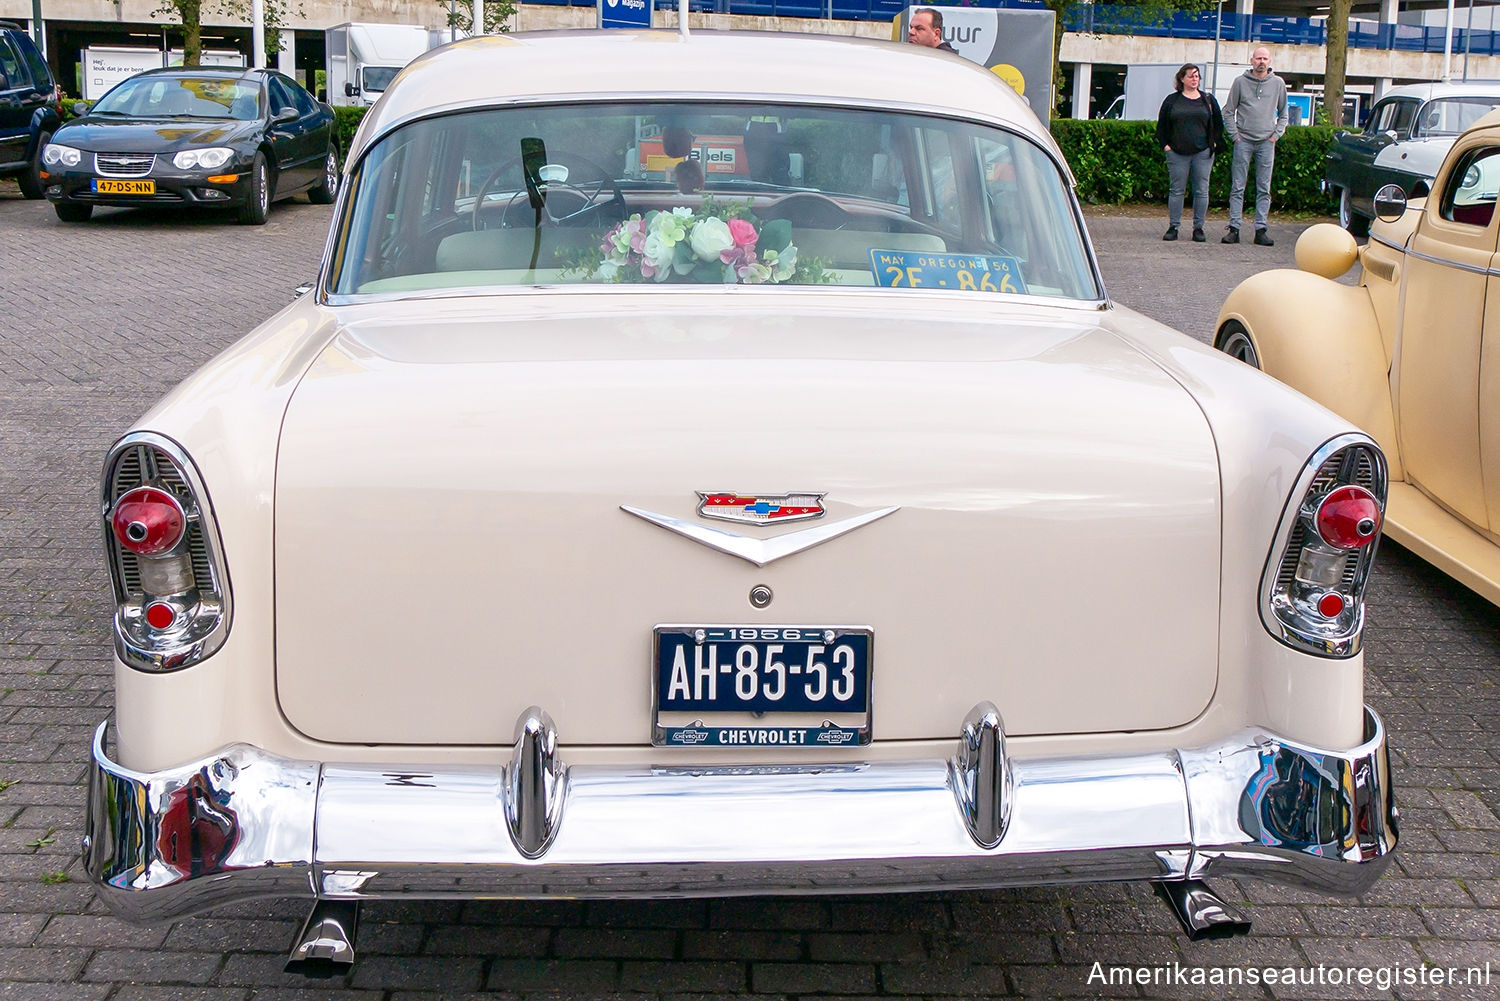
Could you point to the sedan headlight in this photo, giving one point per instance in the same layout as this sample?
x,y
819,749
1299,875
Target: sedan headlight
x,y
214,156
55,155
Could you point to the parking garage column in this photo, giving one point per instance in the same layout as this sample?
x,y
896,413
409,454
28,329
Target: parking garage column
x,y
286,56
1390,10
1083,83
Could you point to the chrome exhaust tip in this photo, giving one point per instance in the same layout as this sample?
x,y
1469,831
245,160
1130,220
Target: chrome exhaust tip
x,y
324,947
1200,911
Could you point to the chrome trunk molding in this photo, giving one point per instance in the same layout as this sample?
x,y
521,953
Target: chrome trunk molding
x,y
244,824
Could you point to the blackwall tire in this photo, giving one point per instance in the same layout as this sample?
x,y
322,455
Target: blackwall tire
x,y
257,207
327,189
30,180
1348,218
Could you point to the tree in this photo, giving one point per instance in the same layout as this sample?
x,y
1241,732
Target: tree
x,y
497,15
190,13
1337,61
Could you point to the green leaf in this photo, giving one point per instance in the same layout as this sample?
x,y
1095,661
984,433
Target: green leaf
x,y
775,235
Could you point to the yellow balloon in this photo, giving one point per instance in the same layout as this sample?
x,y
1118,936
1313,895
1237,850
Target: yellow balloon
x,y
1012,76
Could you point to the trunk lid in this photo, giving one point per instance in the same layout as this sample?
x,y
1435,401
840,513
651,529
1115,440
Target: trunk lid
x,y
450,546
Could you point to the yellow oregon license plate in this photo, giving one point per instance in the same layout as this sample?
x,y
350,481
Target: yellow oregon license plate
x,y
104,186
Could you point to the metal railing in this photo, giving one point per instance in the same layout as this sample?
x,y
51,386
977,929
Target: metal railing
x,y
1103,19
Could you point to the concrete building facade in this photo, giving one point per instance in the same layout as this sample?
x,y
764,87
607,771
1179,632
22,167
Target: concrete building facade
x,y
1092,63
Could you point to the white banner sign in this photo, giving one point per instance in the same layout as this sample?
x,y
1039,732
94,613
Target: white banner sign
x,y
103,67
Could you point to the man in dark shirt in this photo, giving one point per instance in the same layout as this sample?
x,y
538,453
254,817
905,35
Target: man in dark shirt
x,y
926,28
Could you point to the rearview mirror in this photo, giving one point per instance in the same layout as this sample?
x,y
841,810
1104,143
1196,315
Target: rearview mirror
x,y
1390,203
81,108
285,115
349,89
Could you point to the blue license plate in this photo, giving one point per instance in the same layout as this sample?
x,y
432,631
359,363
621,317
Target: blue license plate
x,y
964,272
775,677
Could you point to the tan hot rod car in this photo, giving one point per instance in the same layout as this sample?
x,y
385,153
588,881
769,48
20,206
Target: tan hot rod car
x,y
1411,354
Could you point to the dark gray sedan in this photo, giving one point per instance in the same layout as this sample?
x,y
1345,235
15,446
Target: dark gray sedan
x,y
195,136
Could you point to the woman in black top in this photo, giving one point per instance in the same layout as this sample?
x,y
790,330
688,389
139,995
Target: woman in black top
x,y
1190,129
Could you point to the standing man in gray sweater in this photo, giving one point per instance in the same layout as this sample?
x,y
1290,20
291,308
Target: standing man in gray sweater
x,y
1255,116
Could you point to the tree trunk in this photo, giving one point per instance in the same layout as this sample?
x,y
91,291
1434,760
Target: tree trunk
x,y
1338,61
192,31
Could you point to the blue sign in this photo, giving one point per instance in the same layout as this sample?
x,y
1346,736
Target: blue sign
x,y
625,14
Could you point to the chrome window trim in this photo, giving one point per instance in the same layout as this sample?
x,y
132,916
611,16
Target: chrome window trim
x,y
361,146
1443,261
860,291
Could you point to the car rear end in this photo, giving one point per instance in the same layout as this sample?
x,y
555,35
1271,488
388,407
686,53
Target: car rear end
x,y
464,584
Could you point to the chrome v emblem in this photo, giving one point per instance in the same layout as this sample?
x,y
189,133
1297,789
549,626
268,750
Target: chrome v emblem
x,y
759,551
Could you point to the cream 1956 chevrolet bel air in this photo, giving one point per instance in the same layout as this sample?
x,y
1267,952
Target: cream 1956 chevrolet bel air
x,y
712,465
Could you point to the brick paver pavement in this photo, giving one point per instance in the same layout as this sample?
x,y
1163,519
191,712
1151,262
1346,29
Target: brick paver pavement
x,y
97,320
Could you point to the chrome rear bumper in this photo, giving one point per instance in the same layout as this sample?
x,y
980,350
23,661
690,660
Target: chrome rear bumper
x,y
245,824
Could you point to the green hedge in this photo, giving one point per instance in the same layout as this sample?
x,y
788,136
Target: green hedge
x,y
1116,162
346,120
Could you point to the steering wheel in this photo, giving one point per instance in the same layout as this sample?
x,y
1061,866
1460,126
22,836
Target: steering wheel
x,y
587,199
809,208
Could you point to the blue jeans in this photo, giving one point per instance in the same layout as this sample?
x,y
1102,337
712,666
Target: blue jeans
x,y
1264,151
1179,168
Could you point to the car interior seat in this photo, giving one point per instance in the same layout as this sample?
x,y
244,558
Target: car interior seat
x,y
242,108
176,102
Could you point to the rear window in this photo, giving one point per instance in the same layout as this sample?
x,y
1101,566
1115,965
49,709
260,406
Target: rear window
x,y
41,77
676,193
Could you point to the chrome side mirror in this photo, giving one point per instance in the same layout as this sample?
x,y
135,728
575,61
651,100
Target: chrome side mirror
x,y
1390,203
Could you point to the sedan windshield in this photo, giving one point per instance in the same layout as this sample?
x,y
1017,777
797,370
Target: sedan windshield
x,y
709,193
161,96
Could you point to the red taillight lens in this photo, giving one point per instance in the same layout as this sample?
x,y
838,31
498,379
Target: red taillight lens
x,y
160,615
1348,518
147,521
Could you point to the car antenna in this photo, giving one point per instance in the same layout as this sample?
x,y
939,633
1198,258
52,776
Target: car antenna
x,y
682,27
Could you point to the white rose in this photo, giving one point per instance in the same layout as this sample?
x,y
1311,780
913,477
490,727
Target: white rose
x,y
710,238
659,252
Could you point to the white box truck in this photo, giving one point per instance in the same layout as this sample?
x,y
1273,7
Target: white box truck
x,y
364,58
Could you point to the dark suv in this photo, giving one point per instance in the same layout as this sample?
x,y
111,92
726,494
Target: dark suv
x,y
29,106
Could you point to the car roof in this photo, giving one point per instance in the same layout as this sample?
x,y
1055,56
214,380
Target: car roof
x,y
1429,91
707,65
227,72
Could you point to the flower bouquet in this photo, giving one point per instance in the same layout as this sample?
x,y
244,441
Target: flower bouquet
x,y
709,244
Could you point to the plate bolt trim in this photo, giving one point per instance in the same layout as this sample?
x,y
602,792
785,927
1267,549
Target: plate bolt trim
x,y
761,596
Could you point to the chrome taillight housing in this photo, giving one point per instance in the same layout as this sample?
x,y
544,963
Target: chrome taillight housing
x,y
166,564
1313,588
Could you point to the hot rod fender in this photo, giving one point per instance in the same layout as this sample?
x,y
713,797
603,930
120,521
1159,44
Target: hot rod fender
x,y
1299,321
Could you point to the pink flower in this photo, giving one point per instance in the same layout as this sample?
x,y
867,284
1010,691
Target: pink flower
x,y
743,233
